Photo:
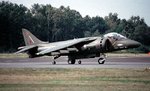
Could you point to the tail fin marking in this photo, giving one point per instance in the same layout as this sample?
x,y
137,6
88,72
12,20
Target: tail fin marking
x,y
29,38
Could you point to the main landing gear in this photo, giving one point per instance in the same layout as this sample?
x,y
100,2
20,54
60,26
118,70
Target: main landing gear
x,y
73,61
70,61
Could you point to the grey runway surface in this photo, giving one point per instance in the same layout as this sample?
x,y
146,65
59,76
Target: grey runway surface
x,y
46,62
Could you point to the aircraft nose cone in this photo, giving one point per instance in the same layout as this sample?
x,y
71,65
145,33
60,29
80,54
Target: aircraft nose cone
x,y
128,43
133,44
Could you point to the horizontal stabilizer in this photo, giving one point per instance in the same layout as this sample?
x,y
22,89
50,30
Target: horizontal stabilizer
x,y
26,48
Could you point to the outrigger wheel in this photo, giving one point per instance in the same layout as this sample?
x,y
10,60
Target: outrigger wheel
x,y
79,62
54,62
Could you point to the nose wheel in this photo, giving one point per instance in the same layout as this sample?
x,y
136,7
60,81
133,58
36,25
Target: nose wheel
x,y
101,60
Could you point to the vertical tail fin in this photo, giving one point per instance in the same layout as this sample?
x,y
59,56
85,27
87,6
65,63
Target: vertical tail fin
x,y
29,38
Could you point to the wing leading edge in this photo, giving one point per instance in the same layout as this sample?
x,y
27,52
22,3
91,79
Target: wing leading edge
x,y
66,44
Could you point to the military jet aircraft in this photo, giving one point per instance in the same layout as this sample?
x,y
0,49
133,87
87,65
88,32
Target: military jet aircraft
x,y
88,47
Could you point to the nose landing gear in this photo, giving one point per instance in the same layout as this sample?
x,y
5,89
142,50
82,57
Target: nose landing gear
x,y
101,60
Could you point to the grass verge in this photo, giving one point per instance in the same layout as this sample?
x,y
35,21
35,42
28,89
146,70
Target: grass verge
x,y
74,79
11,55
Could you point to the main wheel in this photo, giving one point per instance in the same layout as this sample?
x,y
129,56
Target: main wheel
x,y
101,60
71,61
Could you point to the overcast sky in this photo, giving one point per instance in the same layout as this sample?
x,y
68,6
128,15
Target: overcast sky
x,y
124,8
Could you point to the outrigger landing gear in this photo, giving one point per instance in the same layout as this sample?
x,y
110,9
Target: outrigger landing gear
x,y
79,62
54,62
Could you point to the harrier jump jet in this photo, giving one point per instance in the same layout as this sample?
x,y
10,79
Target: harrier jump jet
x,y
88,47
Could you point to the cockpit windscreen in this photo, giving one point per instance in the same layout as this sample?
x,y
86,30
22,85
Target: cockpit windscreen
x,y
115,36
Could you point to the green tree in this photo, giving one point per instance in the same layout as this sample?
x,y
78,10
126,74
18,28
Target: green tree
x,y
55,24
12,19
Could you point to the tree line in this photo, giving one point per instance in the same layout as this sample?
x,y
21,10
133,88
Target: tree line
x,y
55,24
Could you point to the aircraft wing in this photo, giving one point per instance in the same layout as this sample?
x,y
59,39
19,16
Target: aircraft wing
x,y
26,48
66,44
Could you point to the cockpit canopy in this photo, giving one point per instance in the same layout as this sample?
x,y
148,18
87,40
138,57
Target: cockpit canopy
x,y
115,36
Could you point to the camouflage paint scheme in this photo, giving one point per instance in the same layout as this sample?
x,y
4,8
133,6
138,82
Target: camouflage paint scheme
x,y
88,47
